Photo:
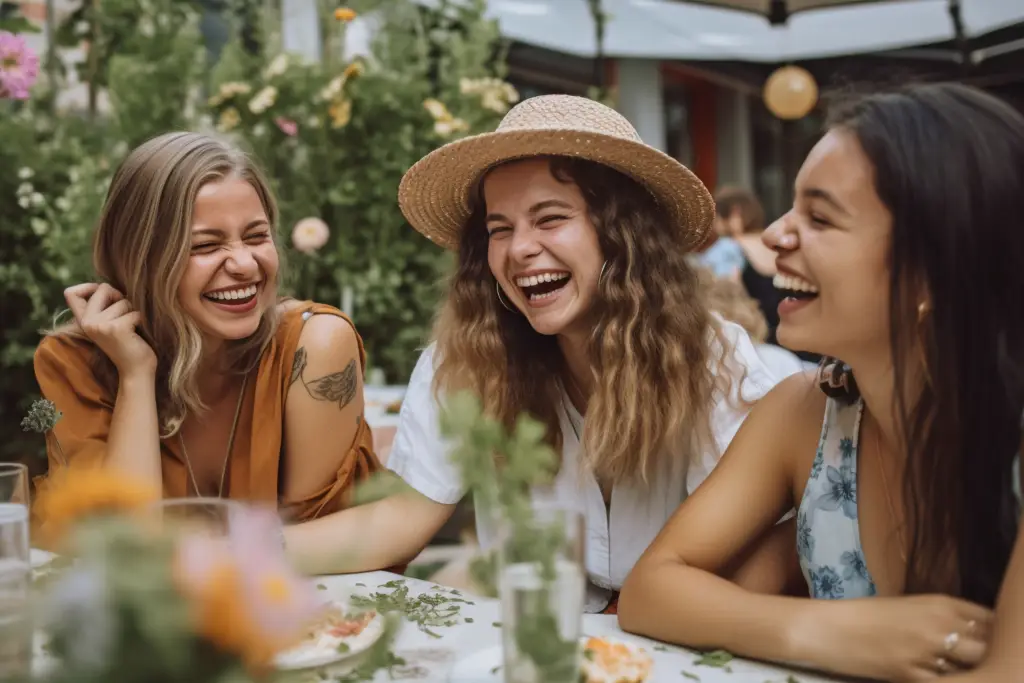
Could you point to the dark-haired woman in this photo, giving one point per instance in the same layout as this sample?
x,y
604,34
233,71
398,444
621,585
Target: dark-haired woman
x,y
900,257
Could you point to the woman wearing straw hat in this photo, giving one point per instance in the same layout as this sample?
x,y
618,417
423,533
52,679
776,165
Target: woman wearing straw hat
x,y
572,297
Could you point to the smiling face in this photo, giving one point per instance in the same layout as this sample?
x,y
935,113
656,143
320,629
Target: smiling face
x,y
833,255
542,246
231,277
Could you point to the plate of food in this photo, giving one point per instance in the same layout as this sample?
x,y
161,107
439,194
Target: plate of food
x,y
339,637
604,660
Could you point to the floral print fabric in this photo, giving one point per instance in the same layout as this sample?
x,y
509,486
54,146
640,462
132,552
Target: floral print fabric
x,y
828,532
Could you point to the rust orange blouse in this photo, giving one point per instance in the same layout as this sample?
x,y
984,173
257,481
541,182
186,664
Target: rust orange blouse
x,y
63,370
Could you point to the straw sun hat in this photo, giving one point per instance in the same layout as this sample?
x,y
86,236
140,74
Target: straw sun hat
x,y
435,194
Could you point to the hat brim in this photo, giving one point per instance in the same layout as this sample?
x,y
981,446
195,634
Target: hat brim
x,y
434,194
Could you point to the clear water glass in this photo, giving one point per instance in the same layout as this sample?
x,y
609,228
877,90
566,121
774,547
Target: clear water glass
x,y
15,572
542,587
210,516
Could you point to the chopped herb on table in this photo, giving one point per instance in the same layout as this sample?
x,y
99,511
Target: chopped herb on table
x,y
715,658
321,587
428,611
692,677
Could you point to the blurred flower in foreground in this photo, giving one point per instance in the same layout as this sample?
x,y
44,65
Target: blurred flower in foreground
x,y
75,493
445,124
246,598
310,234
19,67
345,14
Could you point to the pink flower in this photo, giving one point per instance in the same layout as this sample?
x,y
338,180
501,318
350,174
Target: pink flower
x,y
310,234
287,126
19,67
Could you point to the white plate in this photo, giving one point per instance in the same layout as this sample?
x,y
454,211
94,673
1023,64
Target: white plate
x,y
308,657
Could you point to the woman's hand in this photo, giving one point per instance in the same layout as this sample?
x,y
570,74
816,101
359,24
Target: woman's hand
x,y
908,638
109,321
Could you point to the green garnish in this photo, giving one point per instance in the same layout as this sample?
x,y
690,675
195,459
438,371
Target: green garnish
x,y
428,611
321,587
692,677
716,658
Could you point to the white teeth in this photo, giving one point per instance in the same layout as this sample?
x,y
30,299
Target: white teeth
x,y
534,280
795,284
232,294
539,297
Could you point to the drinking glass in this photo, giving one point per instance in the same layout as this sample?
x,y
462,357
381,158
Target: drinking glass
x,y
15,572
542,586
210,516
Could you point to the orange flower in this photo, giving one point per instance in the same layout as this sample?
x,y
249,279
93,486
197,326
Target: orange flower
x,y
247,599
72,494
345,14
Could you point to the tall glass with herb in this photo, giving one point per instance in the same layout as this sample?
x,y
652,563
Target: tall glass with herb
x,y
15,572
542,586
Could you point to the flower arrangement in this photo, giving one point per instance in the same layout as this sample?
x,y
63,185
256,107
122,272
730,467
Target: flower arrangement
x,y
149,602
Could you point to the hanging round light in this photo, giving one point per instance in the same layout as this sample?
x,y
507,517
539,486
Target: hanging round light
x,y
790,92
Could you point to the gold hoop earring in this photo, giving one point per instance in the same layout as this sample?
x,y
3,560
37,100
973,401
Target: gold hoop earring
x,y
501,298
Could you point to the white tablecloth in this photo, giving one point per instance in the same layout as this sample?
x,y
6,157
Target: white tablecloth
x,y
443,660
468,651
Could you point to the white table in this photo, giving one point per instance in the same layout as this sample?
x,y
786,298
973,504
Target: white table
x,y
434,660
477,636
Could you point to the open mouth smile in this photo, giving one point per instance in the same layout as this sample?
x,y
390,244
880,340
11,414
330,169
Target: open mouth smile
x,y
542,286
239,299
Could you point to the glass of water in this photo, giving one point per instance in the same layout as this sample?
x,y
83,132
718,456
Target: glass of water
x,y
15,572
542,586
209,516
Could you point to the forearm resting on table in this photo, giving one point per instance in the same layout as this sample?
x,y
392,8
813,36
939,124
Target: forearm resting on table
x,y
368,537
133,445
672,602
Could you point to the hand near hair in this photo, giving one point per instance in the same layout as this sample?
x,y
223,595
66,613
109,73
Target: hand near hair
x,y
906,638
109,321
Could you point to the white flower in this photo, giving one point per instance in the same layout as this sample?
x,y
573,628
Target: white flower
x,y
259,130
23,202
263,100
25,189
39,226
146,27
73,175
24,173
64,273
448,127
63,203
277,67
38,199
333,88
436,109
314,122
310,234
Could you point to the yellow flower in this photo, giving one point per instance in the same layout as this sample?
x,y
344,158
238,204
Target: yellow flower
x,y
72,494
263,100
436,109
340,112
228,91
345,14
353,70
229,119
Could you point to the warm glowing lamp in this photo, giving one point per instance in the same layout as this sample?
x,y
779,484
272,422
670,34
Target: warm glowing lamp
x,y
790,92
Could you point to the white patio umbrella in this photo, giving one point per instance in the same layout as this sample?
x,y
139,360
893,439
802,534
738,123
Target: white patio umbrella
x,y
676,29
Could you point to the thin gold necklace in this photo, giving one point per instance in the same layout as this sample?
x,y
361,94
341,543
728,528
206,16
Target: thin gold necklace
x,y
231,444
888,496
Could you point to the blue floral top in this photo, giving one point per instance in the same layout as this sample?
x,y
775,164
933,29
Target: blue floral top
x,y
827,529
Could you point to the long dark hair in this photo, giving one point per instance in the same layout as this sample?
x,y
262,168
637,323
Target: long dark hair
x,y
949,165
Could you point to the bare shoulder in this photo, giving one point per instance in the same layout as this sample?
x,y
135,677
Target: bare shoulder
x,y
790,416
329,335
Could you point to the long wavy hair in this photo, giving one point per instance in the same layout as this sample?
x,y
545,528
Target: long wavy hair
x,y
141,247
949,165
650,350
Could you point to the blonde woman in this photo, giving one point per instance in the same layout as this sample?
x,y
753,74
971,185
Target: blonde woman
x,y
182,368
572,300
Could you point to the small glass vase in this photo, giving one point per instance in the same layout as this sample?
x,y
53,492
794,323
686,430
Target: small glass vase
x,y
542,587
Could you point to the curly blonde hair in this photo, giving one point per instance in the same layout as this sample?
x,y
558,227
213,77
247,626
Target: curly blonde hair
x,y
650,349
729,298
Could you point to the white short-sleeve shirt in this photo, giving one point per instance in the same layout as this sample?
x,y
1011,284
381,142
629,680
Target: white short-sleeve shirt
x,y
618,535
